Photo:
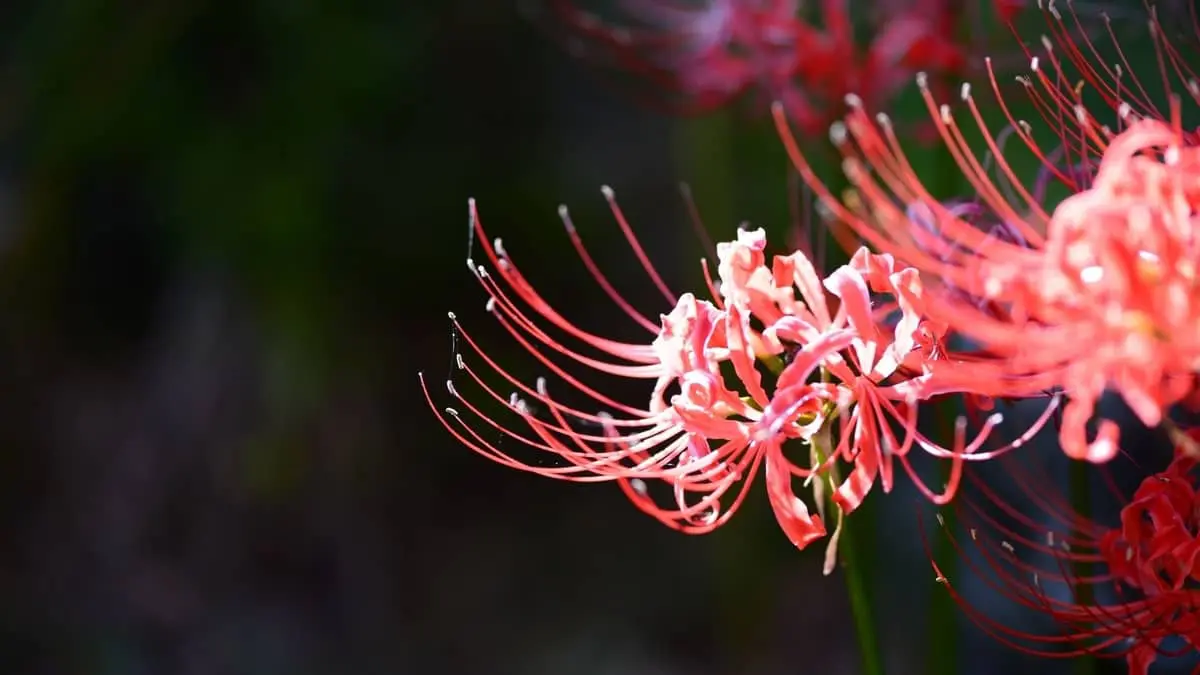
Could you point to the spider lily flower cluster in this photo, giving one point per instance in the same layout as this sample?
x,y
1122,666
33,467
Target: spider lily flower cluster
x,y
701,56
779,369
1098,293
815,378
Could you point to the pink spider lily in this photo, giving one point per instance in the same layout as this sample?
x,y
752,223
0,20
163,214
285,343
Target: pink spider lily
x,y
1098,293
701,56
704,443
734,384
1114,591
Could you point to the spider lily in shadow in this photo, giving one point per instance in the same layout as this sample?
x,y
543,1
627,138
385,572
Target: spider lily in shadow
x,y
1123,589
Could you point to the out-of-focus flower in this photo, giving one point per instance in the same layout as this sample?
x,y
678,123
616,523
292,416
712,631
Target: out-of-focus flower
x,y
1121,591
1099,292
745,380
698,56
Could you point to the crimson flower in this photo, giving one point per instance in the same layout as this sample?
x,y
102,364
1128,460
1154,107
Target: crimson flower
x,y
700,56
1098,292
1114,591
760,375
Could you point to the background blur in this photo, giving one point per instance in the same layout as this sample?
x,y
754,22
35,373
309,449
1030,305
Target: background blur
x,y
229,236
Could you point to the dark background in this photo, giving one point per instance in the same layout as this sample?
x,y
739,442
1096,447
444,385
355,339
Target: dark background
x,y
229,236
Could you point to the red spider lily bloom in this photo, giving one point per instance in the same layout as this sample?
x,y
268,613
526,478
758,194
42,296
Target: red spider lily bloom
x,y
1097,293
704,55
707,441
1114,591
877,377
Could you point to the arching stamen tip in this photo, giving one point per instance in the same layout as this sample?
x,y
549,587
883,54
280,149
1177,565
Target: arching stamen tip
x,y
458,361
490,305
450,388
853,100
563,211
965,92
823,211
452,412
638,485
883,120
498,244
607,192
452,316
777,108
923,80
944,109
1047,43
995,419
837,133
540,385
471,264
1033,64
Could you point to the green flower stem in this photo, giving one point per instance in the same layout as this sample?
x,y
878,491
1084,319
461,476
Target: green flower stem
x,y
1080,492
854,561
854,533
856,586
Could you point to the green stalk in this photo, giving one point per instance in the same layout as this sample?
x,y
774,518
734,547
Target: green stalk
x,y
855,569
855,563
1080,492
854,534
